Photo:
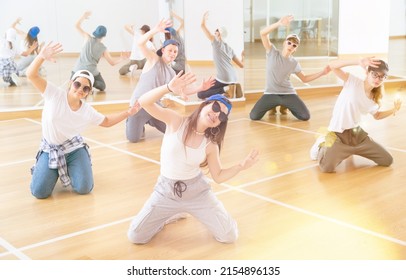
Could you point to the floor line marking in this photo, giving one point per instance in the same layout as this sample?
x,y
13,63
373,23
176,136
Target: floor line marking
x,y
13,250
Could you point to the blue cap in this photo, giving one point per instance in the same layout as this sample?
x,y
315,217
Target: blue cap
x,y
222,99
166,43
100,31
33,32
171,30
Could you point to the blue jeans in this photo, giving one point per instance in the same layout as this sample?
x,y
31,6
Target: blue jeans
x,y
79,170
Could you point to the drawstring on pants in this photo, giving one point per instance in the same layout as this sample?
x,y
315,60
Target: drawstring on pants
x,y
179,187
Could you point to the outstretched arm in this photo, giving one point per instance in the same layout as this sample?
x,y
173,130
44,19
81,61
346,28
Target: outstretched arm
x,y
266,42
384,114
308,78
204,27
220,174
181,21
47,53
336,65
19,31
176,85
129,28
116,60
239,62
150,55
78,24
112,119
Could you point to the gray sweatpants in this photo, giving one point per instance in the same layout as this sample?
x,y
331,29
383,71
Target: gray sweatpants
x,y
135,125
270,101
192,196
350,142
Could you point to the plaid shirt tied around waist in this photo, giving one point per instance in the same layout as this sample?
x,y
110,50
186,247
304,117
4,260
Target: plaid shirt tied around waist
x,y
57,156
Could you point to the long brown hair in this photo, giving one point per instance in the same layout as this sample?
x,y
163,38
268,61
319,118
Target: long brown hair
x,y
377,93
214,134
29,41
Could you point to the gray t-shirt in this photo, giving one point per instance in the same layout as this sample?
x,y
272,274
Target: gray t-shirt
x,y
90,55
180,61
160,74
278,71
222,56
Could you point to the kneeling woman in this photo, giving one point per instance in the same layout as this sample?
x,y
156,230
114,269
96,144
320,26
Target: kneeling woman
x,y
188,144
358,97
63,154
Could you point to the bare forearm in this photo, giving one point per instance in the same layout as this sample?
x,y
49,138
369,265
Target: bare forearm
x,y
268,29
335,64
113,119
226,174
384,114
153,96
312,77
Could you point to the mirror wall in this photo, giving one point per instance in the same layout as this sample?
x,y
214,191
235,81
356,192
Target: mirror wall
x,y
57,18
316,23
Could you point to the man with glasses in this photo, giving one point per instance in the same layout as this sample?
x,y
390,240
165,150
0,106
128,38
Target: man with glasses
x,y
280,65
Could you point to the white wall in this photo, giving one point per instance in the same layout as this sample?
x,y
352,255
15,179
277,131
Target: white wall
x,y
227,13
57,18
398,18
363,27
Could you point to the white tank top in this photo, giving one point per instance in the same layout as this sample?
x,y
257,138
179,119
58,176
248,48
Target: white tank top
x,y
179,162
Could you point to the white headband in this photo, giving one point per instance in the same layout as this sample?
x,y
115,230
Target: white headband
x,y
85,74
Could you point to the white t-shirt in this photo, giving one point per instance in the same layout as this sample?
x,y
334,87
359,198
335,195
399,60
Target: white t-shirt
x,y
351,104
136,53
6,52
59,122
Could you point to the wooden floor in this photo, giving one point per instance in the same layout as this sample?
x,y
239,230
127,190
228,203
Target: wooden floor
x,y
285,208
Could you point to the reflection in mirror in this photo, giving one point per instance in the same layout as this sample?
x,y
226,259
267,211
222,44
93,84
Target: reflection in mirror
x,y
56,20
198,49
315,22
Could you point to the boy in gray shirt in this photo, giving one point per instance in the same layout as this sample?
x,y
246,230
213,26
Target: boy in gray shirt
x,y
280,65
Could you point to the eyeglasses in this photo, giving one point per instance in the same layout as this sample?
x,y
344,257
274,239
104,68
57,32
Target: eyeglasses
x,y
290,43
77,85
376,75
216,108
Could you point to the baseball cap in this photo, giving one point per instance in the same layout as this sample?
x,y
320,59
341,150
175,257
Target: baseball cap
x,y
166,43
100,31
33,32
293,37
85,74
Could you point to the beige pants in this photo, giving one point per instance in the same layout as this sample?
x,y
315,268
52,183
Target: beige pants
x,y
355,141
192,196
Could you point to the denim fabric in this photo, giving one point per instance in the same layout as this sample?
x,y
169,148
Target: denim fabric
x,y
79,169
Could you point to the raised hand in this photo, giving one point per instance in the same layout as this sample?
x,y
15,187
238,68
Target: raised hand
x,y
206,84
285,21
87,15
180,82
370,61
162,24
49,51
134,109
250,160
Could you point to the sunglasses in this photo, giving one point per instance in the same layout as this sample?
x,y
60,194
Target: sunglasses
x,y
376,75
77,85
216,108
290,43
